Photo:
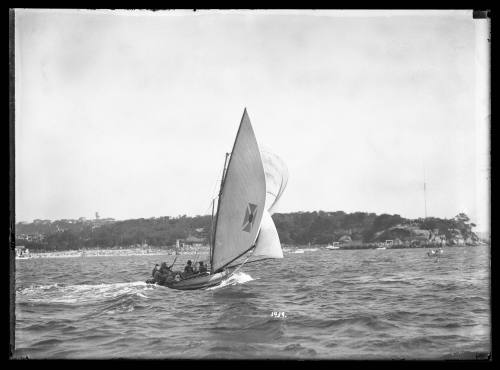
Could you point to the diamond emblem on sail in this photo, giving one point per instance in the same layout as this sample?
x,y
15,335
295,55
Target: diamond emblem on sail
x,y
249,217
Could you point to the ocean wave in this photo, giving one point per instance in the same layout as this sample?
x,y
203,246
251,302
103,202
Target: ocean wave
x,y
47,342
235,279
313,306
418,343
249,330
81,294
398,315
50,324
394,281
118,305
299,349
358,322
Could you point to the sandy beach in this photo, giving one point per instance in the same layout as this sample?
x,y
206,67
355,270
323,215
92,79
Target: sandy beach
x,y
109,252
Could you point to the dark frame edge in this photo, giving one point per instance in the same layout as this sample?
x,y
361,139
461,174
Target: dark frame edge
x,y
12,243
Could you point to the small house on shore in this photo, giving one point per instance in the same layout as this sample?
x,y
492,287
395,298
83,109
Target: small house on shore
x,y
192,241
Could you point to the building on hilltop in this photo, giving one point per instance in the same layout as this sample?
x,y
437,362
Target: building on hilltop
x,y
97,222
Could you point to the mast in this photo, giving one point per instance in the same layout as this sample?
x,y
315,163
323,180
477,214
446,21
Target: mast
x,y
224,173
211,231
425,201
216,216
425,196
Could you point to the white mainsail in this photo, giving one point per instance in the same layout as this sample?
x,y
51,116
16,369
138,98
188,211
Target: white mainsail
x,y
242,200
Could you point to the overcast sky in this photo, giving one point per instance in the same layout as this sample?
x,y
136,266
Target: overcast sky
x,y
130,113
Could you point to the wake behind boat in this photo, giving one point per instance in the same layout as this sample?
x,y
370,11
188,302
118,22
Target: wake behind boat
x,y
242,230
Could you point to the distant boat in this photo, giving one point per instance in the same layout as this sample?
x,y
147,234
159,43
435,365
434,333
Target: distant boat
x,y
381,248
435,252
242,230
334,245
299,251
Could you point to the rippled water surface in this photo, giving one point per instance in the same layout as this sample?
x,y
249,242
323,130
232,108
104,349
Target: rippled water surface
x,y
359,304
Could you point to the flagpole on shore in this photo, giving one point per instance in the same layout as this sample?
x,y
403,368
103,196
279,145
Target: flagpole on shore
x,y
425,195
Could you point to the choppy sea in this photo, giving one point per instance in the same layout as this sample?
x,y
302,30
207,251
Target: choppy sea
x,y
320,304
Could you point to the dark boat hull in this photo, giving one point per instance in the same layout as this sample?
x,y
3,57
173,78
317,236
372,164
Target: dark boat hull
x,y
194,282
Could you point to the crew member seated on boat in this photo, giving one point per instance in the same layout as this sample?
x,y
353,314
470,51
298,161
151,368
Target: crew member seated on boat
x,y
163,274
202,268
188,270
155,269
164,268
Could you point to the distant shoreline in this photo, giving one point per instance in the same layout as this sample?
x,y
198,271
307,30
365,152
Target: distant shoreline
x,y
204,250
107,253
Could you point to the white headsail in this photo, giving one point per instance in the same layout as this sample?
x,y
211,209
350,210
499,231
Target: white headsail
x,y
276,178
268,242
242,200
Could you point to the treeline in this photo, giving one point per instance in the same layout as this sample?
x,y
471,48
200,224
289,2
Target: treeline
x,y
297,228
325,227
158,231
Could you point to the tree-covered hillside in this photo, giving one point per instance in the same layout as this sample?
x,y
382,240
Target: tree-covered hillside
x,y
297,228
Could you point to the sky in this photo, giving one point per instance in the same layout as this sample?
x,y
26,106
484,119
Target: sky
x,y
130,113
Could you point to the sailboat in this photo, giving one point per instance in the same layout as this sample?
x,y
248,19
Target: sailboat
x,y
242,230
334,245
